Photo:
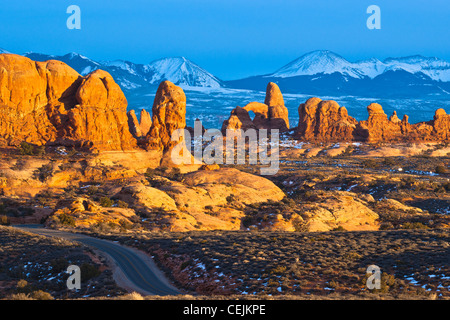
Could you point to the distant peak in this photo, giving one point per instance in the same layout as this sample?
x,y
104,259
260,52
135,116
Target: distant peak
x,y
76,55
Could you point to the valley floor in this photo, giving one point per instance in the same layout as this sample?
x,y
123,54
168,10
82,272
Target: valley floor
x,y
308,232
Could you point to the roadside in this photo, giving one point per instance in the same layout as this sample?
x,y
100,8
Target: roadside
x,y
133,270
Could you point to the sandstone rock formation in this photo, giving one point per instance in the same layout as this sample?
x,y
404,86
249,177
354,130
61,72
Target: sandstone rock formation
x,y
145,122
49,102
272,114
133,123
340,209
324,120
139,128
327,121
86,214
169,114
278,113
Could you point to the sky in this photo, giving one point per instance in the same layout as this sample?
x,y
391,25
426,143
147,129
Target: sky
x,y
231,39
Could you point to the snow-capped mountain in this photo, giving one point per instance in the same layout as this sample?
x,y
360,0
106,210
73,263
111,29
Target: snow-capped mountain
x,y
3,51
83,65
326,73
178,70
327,62
130,76
181,71
437,69
321,61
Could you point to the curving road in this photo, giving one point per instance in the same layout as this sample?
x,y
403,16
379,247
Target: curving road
x,y
139,270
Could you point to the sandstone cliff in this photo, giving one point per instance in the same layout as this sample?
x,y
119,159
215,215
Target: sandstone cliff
x,y
327,121
49,102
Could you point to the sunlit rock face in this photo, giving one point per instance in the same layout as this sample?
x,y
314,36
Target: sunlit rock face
x,y
49,102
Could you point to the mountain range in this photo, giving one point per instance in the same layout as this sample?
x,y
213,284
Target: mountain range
x,y
324,72
320,72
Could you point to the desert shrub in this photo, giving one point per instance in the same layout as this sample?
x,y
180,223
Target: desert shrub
x,y
106,202
122,204
369,164
88,271
446,186
231,198
125,224
41,295
408,182
39,151
66,219
23,287
58,265
26,149
175,174
414,225
4,221
440,169
44,172
348,150
44,198
19,296
389,162
91,190
278,270
247,221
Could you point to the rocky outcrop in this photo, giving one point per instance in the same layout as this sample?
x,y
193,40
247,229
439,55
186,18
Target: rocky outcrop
x,y
139,128
272,114
169,114
133,123
145,122
441,125
205,199
100,117
278,113
86,214
327,121
340,209
49,102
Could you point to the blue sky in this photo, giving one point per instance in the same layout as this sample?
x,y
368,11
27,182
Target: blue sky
x,y
231,39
